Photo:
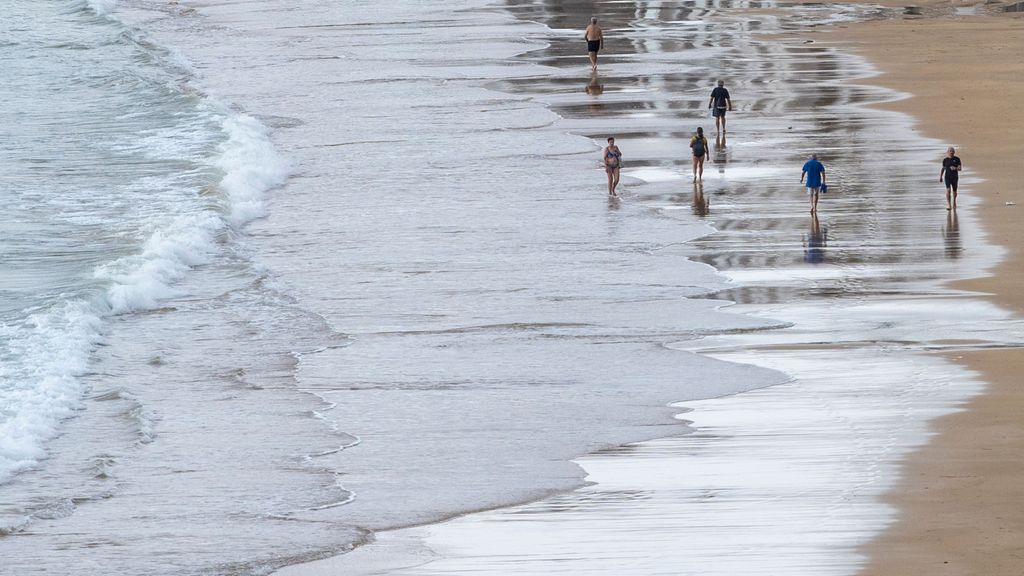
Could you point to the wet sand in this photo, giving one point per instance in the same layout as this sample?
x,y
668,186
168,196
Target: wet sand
x,y
959,502
868,275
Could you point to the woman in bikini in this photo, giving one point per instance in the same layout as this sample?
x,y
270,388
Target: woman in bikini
x,y
612,165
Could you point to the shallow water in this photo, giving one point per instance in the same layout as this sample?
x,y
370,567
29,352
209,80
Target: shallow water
x,y
786,479
432,282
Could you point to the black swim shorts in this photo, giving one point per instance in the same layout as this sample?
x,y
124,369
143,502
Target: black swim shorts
x,y
718,112
593,45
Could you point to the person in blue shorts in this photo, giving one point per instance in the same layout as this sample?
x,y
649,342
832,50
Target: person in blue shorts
x,y
719,103
814,171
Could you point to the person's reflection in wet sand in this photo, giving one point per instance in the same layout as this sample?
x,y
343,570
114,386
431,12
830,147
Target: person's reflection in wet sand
x,y
720,158
951,235
594,87
701,205
815,242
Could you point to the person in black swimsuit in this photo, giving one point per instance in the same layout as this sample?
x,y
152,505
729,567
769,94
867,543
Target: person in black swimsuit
x,y
699,147
950,174
595,41
612,165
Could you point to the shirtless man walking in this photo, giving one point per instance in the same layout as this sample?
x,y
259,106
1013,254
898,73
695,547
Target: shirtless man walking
x,y
595,41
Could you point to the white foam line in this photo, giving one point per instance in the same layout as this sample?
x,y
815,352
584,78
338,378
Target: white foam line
x,y
782,480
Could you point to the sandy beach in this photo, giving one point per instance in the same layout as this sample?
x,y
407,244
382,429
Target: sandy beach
x,y
958,502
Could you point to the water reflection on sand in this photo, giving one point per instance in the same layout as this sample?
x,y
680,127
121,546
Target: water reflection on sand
x,y
784,480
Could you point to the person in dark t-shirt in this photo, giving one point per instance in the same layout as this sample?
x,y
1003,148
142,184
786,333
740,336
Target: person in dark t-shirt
x,y
950,174
719,103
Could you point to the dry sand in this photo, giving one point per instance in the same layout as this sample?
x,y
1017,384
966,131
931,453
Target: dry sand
x,y
962,498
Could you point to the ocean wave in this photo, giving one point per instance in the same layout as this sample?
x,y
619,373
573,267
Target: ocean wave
x,y
252,167
178,225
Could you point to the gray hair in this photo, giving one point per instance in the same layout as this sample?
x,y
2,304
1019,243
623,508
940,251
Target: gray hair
x,y
721,82
814,156
593,19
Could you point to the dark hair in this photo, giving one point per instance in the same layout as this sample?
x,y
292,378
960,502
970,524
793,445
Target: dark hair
x,y
611,138
700,130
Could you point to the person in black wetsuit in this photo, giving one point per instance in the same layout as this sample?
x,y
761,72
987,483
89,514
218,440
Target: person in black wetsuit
x,y
950,174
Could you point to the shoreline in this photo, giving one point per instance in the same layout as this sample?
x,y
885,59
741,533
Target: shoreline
x,y
952,498
372,557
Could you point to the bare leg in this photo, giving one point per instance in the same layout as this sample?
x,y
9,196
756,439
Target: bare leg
x,y
949,193
722,119
814,201
611,182
694,168
700,168
615,181
593,60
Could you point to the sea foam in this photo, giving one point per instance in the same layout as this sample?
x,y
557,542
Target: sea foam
x,y
36,396
101,7
54,346
251,166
